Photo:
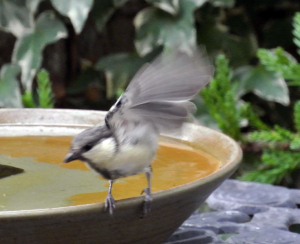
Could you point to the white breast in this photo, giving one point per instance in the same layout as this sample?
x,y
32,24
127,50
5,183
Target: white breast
x,y
130,158
103,151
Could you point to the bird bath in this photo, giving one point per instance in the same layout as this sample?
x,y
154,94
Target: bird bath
x,y
47,201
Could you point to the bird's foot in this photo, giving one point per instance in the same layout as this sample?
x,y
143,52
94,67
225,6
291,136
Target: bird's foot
x,y
147,201
110,203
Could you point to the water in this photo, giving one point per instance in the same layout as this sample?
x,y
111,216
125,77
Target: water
x,y
47,182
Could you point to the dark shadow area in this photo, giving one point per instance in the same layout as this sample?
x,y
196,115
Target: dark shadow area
x,y
6,171
295,228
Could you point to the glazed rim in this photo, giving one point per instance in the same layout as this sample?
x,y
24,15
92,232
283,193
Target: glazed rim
x,y
6,120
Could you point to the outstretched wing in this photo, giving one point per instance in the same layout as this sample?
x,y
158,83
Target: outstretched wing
x,y
160,92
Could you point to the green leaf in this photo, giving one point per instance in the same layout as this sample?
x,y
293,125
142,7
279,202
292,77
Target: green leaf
x,y
44,90
170,6
221,102
295,143
217,39
119,3
33,4
277,164
296,31
155,27
119,69
278,60
28,101
265,84
222,3
87,78
15,17
28,49
297,115
104,9
10,95
240,49
248,112
76,10
212,36
277,136
203,116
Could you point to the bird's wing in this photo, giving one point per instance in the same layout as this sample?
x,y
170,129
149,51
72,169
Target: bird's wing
x,y
160,92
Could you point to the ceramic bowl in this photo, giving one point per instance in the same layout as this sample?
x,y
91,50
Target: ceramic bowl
x,y
90,223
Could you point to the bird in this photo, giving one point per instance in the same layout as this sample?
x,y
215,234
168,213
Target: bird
x,y
156,101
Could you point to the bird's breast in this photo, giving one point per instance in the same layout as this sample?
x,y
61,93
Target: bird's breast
x,y
130,159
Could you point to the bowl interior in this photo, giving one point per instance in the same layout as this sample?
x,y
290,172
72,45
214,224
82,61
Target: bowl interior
x,y
36,178
170,207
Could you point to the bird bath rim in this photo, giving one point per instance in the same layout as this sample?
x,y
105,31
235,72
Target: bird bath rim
x,y
50,118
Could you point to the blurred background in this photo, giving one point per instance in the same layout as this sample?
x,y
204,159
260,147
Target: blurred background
x,y
82,54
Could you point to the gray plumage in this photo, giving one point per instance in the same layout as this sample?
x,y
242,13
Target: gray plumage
x,y
156,101
90,137
160,91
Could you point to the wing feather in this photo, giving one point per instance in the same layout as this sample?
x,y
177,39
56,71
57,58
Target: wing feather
x,y
177,77
160,91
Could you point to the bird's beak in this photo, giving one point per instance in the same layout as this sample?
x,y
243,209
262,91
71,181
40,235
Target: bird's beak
x,y
71,157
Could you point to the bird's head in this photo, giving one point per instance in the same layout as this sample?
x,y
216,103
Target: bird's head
x,y
87,141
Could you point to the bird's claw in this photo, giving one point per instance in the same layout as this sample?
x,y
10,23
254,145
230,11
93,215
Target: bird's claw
x,y
147,202
110,203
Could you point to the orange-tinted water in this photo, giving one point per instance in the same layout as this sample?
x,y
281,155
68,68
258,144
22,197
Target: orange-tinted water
x,y
175,164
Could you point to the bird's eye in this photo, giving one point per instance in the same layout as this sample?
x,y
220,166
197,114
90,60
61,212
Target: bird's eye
x,y
87,147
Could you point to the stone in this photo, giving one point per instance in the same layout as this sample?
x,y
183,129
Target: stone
x,y
244,213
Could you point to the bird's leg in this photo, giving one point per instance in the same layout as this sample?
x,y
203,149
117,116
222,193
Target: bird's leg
x,y
109,201
148,196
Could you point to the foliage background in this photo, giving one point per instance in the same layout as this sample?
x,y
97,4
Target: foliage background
x,y
88,50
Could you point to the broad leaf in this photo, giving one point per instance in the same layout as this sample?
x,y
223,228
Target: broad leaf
x,y
33,5
28,49
155,27
216,37
15,17
104,9
10,96
87,78
212,36
119,69
240,49
223,3
170,6
265,84
76,10
119,3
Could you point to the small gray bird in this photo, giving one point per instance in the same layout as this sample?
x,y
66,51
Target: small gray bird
x,y
156,101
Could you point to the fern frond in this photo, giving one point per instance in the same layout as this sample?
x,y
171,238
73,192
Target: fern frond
x,y
297,115
44,90
220,99
277,136
295,143
278,164
296,31
248,112
27,100
279,61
